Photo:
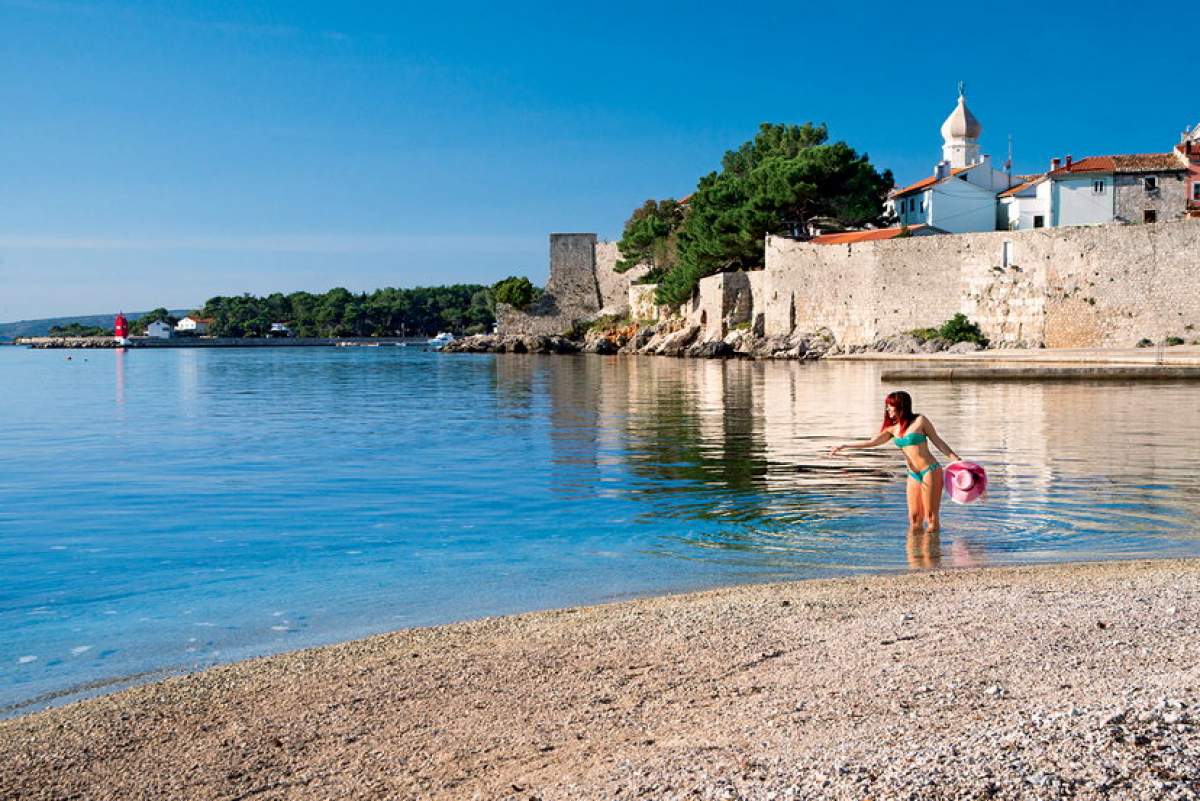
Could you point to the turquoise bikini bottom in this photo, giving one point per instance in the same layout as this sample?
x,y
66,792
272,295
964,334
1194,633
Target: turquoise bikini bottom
x,y
919,476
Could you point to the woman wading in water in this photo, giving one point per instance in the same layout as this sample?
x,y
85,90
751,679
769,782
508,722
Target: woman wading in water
x,y
911,432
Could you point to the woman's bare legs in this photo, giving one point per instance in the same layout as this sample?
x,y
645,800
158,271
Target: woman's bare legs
x,y
916,505
931,499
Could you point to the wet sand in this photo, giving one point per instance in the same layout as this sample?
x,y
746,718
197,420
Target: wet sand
x,y
1068,681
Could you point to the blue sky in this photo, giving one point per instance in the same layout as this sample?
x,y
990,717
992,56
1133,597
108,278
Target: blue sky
x,y
158,153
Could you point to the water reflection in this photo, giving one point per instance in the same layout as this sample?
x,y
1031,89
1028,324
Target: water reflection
x,y
924,550
736,453
119,381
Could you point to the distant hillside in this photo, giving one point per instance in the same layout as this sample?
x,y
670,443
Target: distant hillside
x,y
41,328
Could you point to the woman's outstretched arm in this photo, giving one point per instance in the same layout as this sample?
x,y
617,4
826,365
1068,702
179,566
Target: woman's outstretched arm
x,y
938,441
878,439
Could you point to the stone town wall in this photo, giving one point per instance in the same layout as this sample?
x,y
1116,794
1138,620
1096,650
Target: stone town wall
x,y
614,286
1132,200
722,302
1093,286
641,303
818,286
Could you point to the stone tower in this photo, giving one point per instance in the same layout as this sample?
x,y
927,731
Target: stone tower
x,y
960,134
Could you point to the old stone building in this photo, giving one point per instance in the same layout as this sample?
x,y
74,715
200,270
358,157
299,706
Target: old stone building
x,y
1133,188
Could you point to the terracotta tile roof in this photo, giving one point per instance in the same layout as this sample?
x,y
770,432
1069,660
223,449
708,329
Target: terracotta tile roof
x,y
926,183
1026,182
1148,162
874,235
1130,162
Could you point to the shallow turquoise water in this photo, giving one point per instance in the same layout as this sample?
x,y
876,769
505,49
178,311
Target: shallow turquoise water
x,y
165,510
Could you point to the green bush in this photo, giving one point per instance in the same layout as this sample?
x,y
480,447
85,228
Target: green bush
x,y
516,291
957,329
1144,343
1173,341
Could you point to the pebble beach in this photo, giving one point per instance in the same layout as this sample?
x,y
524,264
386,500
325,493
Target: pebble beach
x,y
1068,681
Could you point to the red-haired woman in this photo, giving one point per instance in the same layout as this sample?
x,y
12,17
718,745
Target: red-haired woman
x,y
912,432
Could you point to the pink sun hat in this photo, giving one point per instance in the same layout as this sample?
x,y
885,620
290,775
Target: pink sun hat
x,y
965,481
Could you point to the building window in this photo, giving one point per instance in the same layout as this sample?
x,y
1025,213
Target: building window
x,y
1151,183
1196,191
1149,216
922,206
1097,187
1039,221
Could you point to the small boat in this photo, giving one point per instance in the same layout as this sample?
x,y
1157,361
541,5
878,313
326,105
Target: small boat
x,y
440,340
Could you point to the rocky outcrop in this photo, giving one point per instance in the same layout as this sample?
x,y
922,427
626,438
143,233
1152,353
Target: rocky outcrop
x,y
512,343
68,342
676,337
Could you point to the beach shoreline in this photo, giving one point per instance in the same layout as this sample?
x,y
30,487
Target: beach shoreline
x,y
1072,680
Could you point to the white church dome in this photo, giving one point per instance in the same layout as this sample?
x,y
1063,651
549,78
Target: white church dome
x,y
961,124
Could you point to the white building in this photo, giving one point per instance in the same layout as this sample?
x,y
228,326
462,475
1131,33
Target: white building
x,y
159,330
961,195
193,324
1026,205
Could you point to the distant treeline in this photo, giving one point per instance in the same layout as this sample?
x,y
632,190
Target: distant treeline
x,y
78,330
461,308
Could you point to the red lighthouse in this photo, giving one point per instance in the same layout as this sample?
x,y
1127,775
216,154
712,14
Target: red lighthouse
x,y
121,329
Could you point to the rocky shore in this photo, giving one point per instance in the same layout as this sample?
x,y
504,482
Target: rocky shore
x,y
673,338
1062,682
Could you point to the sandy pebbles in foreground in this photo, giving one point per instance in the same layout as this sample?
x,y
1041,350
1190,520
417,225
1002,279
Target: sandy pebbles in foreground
x,y
1076,681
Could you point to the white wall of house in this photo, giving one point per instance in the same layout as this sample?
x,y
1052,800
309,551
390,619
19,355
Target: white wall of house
x,y
1021,212
985,177
193,325
960,207
1075,200
159,330
913,209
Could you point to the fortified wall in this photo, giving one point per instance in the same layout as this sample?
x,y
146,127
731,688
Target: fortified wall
x,y
583,285
1095,286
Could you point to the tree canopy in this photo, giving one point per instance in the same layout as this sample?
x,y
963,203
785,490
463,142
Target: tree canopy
x,y
784,181
462,308
79,330
651,236
516,291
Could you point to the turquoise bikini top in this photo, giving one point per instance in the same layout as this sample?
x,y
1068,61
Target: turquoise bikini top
x,y
915,438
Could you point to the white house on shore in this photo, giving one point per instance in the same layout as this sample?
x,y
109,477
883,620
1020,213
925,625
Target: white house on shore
x,y
159,330
193,324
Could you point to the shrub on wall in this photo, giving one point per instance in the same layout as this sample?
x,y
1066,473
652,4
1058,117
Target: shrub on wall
x,y
957,329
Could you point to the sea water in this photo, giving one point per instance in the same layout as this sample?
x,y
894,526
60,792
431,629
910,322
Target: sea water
x,y
165,510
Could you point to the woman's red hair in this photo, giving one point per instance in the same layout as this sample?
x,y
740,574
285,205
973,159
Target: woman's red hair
x,y
904,413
